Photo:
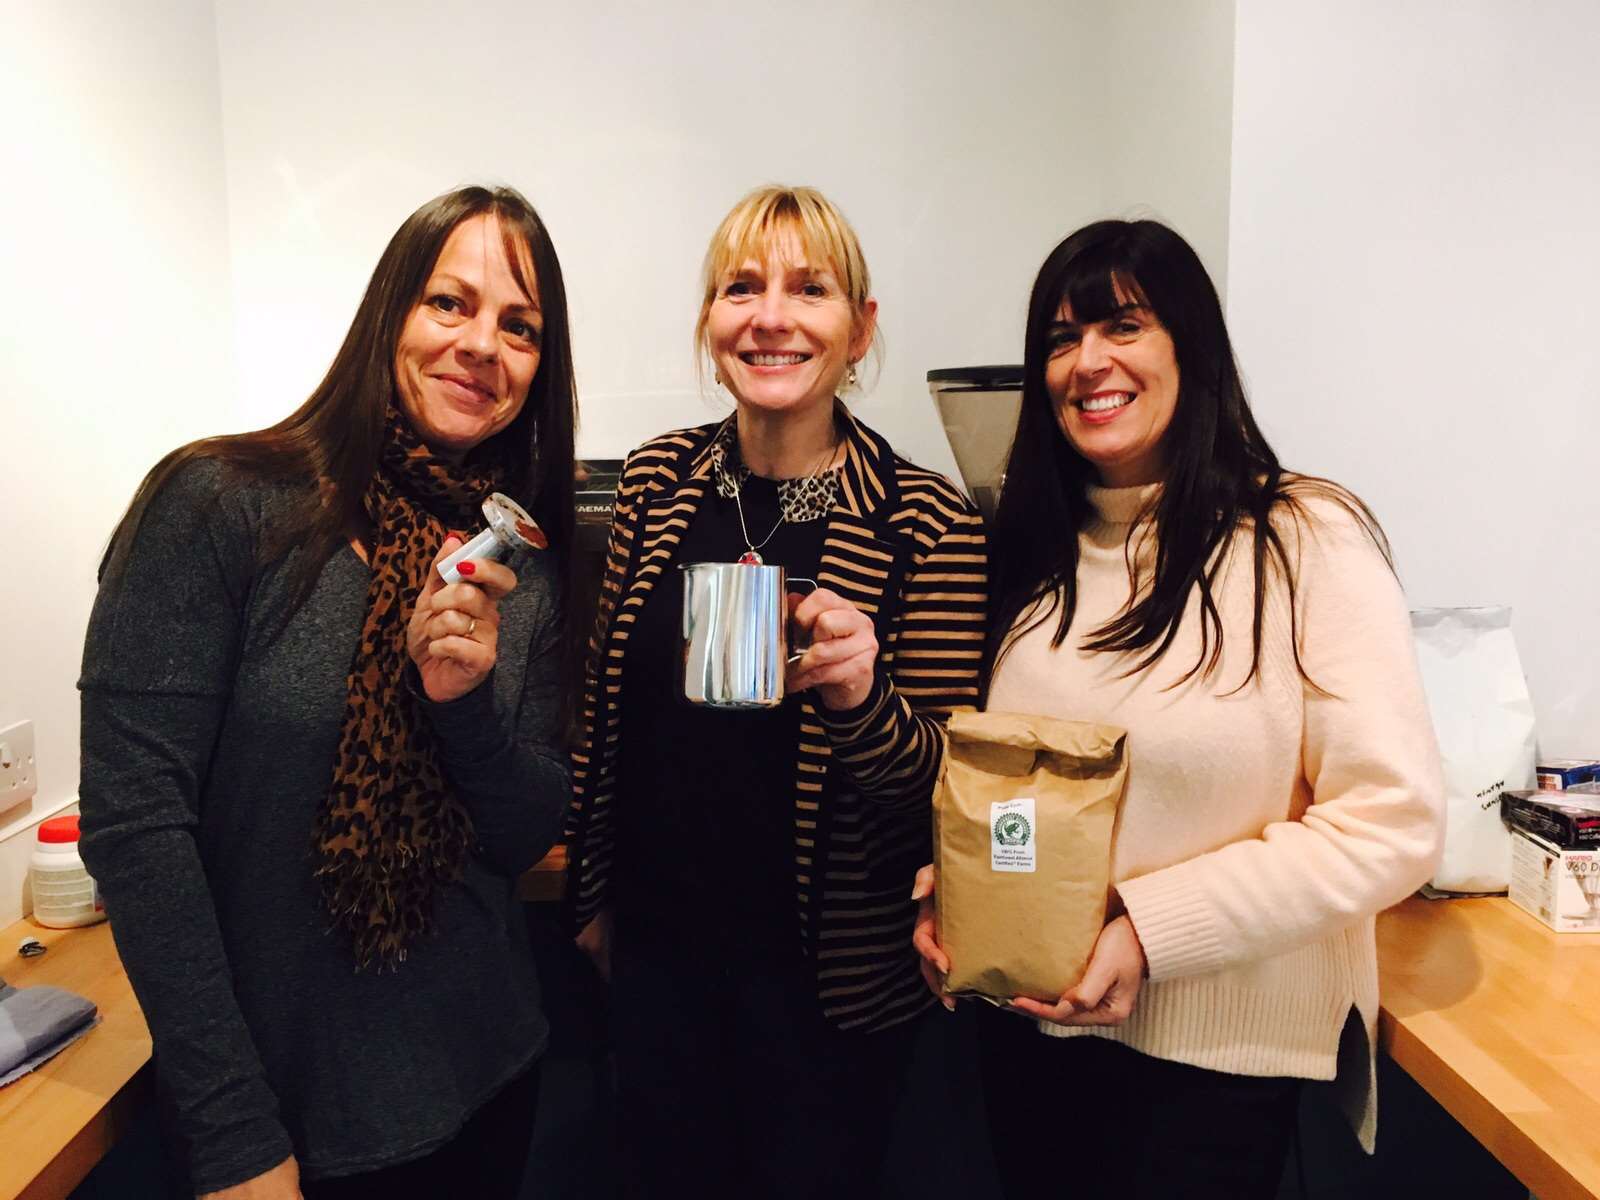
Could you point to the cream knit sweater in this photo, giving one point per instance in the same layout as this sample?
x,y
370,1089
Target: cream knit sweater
x,y
1261,830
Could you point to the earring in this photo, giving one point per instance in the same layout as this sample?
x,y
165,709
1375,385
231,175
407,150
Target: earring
x,y
717,376
850,376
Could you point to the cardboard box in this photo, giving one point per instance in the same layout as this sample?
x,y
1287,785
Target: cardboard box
x,y
1569,820
1559,887
1558,774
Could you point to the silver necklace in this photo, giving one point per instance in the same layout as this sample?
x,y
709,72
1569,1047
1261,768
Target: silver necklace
x,y
799,500
752,553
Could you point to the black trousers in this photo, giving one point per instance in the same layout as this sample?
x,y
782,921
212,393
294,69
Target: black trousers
x,y
485,1160
1082,1117
731,1083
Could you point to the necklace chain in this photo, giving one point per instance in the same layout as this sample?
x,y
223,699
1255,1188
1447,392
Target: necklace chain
x,y
799,500
750,546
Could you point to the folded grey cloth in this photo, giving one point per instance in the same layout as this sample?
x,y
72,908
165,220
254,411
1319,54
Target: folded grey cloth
x,y
37,1023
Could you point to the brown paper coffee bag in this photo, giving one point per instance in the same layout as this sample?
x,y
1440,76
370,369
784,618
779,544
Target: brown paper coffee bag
x,y
1022,820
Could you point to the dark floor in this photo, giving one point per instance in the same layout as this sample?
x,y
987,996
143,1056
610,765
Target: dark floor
x,y
938,1148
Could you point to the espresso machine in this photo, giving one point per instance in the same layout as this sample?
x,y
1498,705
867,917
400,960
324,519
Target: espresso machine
x,y
596,491
978,407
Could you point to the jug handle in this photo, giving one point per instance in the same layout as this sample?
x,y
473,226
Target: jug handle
x,y
792,579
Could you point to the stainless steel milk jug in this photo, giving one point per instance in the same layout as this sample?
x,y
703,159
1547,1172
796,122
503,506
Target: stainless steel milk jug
x,y
735,633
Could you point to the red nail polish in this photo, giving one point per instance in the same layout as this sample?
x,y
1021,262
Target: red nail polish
x,y
458,535
466,568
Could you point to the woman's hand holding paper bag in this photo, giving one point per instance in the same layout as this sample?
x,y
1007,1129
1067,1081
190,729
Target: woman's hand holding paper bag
x,y
925,937
1109,989
1106,995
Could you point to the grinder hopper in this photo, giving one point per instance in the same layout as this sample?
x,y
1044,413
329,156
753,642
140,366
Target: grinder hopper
x,y
978,407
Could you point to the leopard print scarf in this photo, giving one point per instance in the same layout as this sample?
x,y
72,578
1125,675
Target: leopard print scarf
x,y
391,831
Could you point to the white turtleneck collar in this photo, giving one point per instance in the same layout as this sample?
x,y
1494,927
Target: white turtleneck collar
x,y
1121,506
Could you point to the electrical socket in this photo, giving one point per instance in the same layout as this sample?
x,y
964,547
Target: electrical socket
x,y
19,777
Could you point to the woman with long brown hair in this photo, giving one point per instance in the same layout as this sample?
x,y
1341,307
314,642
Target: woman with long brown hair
x,y
313,769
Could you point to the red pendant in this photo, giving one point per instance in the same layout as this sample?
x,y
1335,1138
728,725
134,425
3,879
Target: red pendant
x,y
751,559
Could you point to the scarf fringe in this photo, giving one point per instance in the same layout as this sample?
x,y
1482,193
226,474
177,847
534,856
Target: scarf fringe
x,y
384,903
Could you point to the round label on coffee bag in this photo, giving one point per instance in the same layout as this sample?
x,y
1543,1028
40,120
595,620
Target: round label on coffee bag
x,y
1011,846
1012,830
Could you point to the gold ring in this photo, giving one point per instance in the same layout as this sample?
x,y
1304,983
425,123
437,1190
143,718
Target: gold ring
x,y
471,625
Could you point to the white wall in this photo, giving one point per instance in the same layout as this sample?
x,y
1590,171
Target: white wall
x,y
114,344
962,140
1414,249
196,192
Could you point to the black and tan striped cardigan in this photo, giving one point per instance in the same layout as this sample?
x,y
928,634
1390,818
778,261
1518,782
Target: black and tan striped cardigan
x,y
906,547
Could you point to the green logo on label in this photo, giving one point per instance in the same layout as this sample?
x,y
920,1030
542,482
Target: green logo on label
x,y
1012,829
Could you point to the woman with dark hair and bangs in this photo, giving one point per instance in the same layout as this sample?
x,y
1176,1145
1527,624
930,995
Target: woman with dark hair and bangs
x,y
313,769
1243,623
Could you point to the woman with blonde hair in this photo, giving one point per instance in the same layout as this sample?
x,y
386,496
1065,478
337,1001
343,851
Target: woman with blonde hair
x,y
745,876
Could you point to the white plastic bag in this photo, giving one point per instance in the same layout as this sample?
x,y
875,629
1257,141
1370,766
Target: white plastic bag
x,y
1484,718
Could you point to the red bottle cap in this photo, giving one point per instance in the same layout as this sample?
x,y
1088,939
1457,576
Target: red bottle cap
x,y
59,829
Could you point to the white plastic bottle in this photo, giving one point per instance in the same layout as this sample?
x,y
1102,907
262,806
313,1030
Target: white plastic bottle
x,y
64,893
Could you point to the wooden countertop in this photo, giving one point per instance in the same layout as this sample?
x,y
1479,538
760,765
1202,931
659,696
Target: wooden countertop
x,y
542,884
1498,1017
57,1122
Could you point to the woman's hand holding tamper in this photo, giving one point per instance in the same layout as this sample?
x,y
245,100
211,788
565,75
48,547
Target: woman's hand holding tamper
x,y
455,627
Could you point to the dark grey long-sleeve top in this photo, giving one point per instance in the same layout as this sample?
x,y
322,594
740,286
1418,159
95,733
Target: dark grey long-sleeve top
x,y
208,745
